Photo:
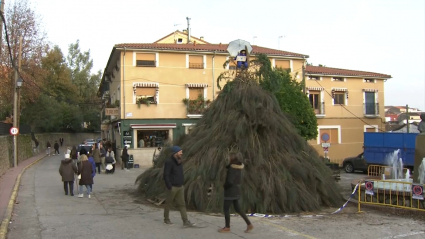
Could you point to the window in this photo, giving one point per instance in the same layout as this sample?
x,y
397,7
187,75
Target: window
x,y
337,78
370,103
188,127
146,94
333,135
196,62
314,97
151,138
179,40
283,64
194,93
339,98
369,80
371,128
314,77
146,59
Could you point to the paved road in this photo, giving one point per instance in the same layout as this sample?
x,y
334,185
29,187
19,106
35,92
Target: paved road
x,y
115,212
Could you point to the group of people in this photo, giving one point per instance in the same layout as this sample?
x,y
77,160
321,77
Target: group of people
x,y
55,146
174,181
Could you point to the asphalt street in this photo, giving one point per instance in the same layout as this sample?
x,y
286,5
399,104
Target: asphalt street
x,y
114,211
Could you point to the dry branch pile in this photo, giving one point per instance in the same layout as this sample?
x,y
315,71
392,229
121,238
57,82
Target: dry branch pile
x,y
282,174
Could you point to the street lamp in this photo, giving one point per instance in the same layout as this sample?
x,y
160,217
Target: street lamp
x,y
19,83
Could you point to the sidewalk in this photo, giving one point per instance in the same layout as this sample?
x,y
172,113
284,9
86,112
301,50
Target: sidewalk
x,y
7,182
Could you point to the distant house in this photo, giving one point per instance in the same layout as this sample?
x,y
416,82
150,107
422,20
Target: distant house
x,y
413,128
392,110
414,117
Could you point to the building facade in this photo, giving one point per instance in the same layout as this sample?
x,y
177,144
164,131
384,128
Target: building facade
x,y
152,94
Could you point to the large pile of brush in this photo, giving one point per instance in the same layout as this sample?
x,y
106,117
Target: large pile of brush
x,y
283,173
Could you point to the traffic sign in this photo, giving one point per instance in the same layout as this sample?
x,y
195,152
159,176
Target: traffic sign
x,y
127,142
325,137
14,131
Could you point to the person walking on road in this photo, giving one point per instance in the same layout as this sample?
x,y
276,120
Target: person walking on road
x,y
96,157
124,157
232,191
102,156
85,171
56,146
48,146
174,180
93,164
110,161
68,170
61,141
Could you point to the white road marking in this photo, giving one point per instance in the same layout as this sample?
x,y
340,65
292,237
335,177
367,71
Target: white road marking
x,y
403,235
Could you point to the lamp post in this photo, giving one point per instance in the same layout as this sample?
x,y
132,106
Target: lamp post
x,y
18,85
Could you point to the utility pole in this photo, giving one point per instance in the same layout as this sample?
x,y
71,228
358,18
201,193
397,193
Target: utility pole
x,y
408,117
18,116
303,80
15,107
1,23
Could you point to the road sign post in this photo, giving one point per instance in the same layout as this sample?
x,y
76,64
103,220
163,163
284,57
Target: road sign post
x,y
325,137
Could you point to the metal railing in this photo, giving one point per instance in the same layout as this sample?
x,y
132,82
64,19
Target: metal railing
x,y
196,65
145,63
320,110
378,170
371,108
391,193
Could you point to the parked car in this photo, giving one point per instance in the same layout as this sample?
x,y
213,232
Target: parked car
x,y
352,164
89,141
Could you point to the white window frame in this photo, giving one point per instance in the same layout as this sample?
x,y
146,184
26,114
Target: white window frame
x,y
319,127
345,97
137,52
344,79
376,98
187,126
157,91
322,97
205,91
371,127
204,59
364,80
320,78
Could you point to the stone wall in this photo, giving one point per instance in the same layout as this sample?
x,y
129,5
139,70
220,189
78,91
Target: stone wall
x,y
26,145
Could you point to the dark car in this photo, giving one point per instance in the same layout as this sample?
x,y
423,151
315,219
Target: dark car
x,y
355,163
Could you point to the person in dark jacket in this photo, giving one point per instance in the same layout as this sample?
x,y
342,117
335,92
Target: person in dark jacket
x,y
56,146
85,169
61,141
67,170
124,157
174,181
232,191
96,157
48,146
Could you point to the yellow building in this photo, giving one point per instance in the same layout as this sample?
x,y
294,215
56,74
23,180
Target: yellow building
x,y
147,87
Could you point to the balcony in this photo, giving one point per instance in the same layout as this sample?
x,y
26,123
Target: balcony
x,y
196,108
320,110
144,63
196,65
371,110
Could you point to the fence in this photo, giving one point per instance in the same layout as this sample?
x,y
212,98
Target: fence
x,y
378,170
391,193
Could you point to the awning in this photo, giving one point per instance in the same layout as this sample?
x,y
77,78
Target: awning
x,y
153,126
315,88
196,85
370,90
146,84
339,89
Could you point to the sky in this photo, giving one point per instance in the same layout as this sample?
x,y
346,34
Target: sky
x,y
383,36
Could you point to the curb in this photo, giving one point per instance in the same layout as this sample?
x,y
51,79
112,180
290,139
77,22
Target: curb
x,y
9,210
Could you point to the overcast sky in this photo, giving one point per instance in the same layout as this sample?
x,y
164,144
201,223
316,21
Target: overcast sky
x,y
384,36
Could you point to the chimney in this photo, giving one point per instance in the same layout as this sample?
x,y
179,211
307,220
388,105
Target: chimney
x,y
188,29
194,43
202,38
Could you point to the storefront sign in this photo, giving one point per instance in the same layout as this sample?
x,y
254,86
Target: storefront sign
x,y
111,111
127,133
104,127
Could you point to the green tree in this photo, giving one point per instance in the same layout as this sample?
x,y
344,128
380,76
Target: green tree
x,y
290,96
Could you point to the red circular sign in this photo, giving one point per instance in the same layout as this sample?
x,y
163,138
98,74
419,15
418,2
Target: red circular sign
x,y
417,190
369,185
14,131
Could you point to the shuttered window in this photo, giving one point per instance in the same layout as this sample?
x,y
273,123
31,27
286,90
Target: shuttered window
x,y
333,135
196,62
370,130
282,64
195,92
146,59
145,91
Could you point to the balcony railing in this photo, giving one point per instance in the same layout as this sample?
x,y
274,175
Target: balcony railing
x,y
320,109
145,63
371,109
196,65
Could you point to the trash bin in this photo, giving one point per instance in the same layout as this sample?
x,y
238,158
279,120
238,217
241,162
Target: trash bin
x,y
130,163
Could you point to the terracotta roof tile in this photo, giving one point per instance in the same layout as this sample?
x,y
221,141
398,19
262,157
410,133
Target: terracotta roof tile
x,y
320,70
220,48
